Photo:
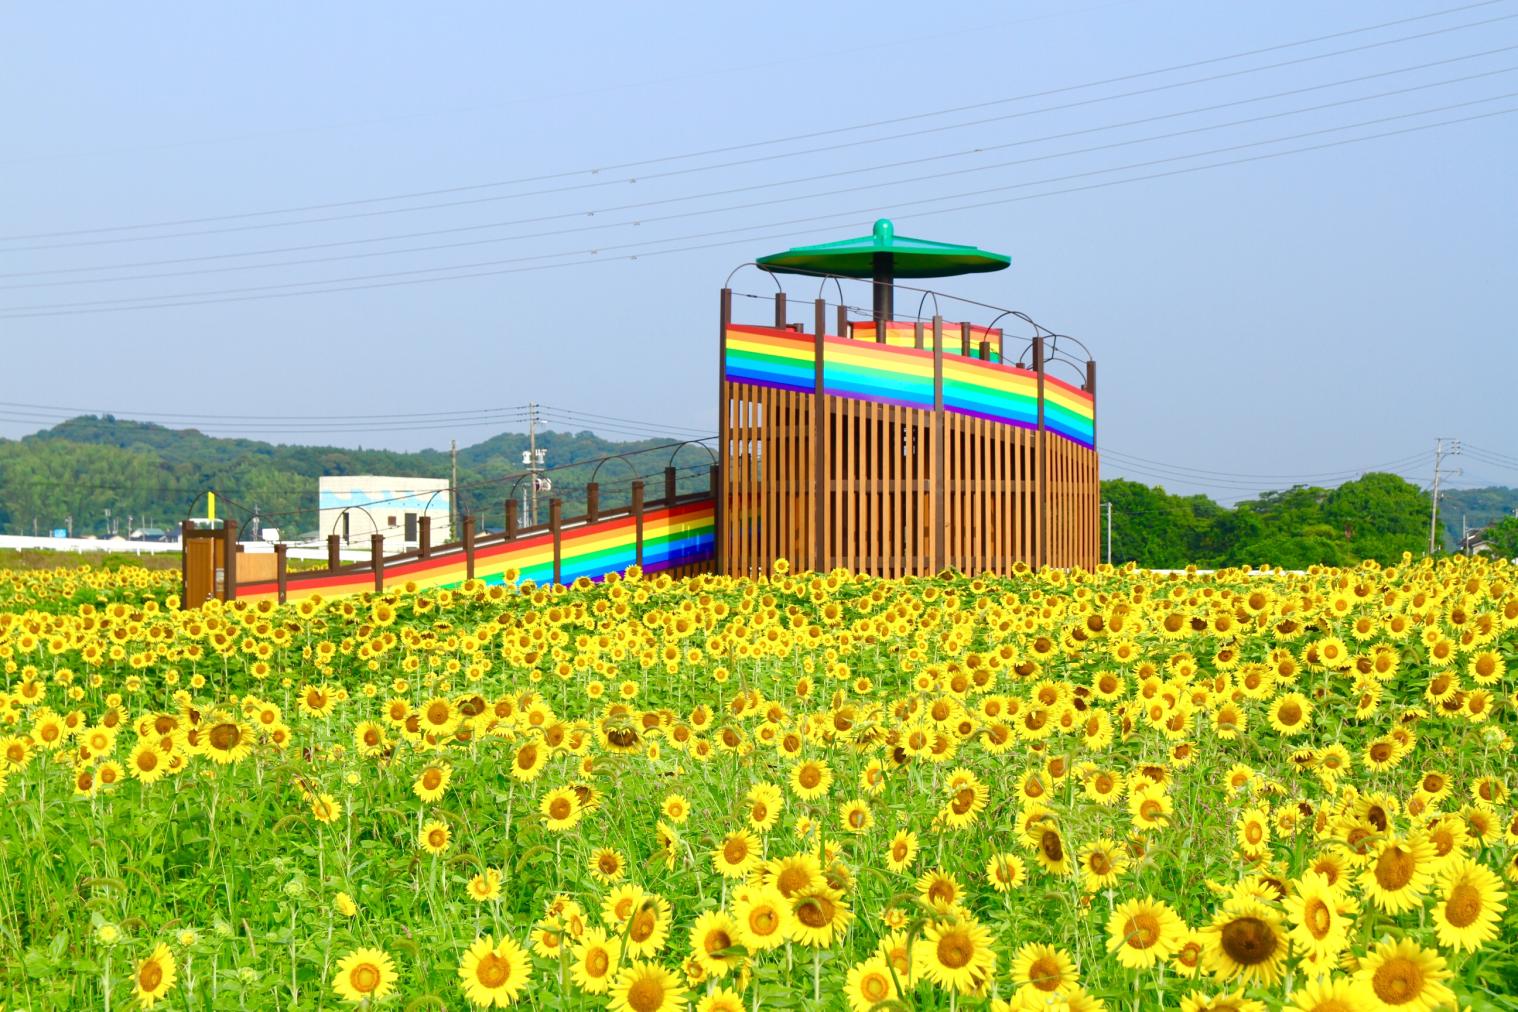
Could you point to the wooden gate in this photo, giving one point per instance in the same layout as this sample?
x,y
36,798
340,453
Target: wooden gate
x,y
209,568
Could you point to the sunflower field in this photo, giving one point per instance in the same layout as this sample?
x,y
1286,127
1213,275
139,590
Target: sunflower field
x,y
1053,791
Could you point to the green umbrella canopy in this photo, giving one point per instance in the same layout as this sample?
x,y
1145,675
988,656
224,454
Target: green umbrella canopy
x,y
903,256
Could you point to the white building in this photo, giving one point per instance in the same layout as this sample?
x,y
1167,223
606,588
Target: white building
x,y
356,506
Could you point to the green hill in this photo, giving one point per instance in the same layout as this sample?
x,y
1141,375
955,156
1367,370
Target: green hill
x,y
155,475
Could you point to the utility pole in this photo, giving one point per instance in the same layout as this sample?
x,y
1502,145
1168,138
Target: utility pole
x,y
1440,452
453,489
1465,535
1108,506
533,459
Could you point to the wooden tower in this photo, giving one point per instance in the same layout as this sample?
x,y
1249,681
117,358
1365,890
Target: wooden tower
x,y
898,449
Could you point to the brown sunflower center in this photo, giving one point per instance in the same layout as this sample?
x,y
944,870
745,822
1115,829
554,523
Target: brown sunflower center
x,y
735,851
763,921
646,995
150,976
643,924
717,940
1317,917
955,950
1395,867
432,778
1098,863
493,971
1397,981
1463,906
1249,940
225,737
1142,930
597,962
364,977
1052,846
1044,973
875,988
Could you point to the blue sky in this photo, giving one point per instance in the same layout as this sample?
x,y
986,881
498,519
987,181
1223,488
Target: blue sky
x,y
1298,317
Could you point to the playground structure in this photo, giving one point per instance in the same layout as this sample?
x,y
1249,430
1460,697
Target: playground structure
x,y
885,446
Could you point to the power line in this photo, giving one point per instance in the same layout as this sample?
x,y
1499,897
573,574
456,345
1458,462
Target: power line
x,y
1411,458
383,280
594,212
785,140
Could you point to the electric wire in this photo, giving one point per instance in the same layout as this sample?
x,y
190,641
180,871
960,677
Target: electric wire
x,y
388,279
594,212
834,131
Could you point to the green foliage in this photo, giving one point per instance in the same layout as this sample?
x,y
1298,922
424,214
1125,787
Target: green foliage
x,y
158,475
1503,537
1477,507
1378,516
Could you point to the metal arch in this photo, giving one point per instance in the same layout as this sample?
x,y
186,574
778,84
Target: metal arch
x,y
924,300
344,511
1078,343
836,284
691,442
616,456
427,506
729,282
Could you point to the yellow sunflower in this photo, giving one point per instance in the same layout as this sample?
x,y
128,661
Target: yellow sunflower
x,y
364,975
1141,932
1402,974
1320,916
154,976
764,918
1399,872
714,942
646,987
434,837
956,955
1245,942
493,974
1039,970
595,955
1471,902
869,983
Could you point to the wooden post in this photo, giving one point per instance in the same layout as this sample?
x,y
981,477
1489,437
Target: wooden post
x,y
468,523
819,441
985,351
424,537
555,523
780,317
670,485
725,315
843,320
637,512
281,574
940,510
511,519
185,527
1091,389
917,335
964,340
377,561
229,579
334,552
1041,480
592,502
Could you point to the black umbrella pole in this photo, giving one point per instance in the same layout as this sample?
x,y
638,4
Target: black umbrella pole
x,y
885,293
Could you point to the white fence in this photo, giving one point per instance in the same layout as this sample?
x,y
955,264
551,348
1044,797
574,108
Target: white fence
x,y
76,545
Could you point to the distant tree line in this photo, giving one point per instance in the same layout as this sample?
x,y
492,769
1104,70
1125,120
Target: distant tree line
x,y
150,474
157,475
1377,516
